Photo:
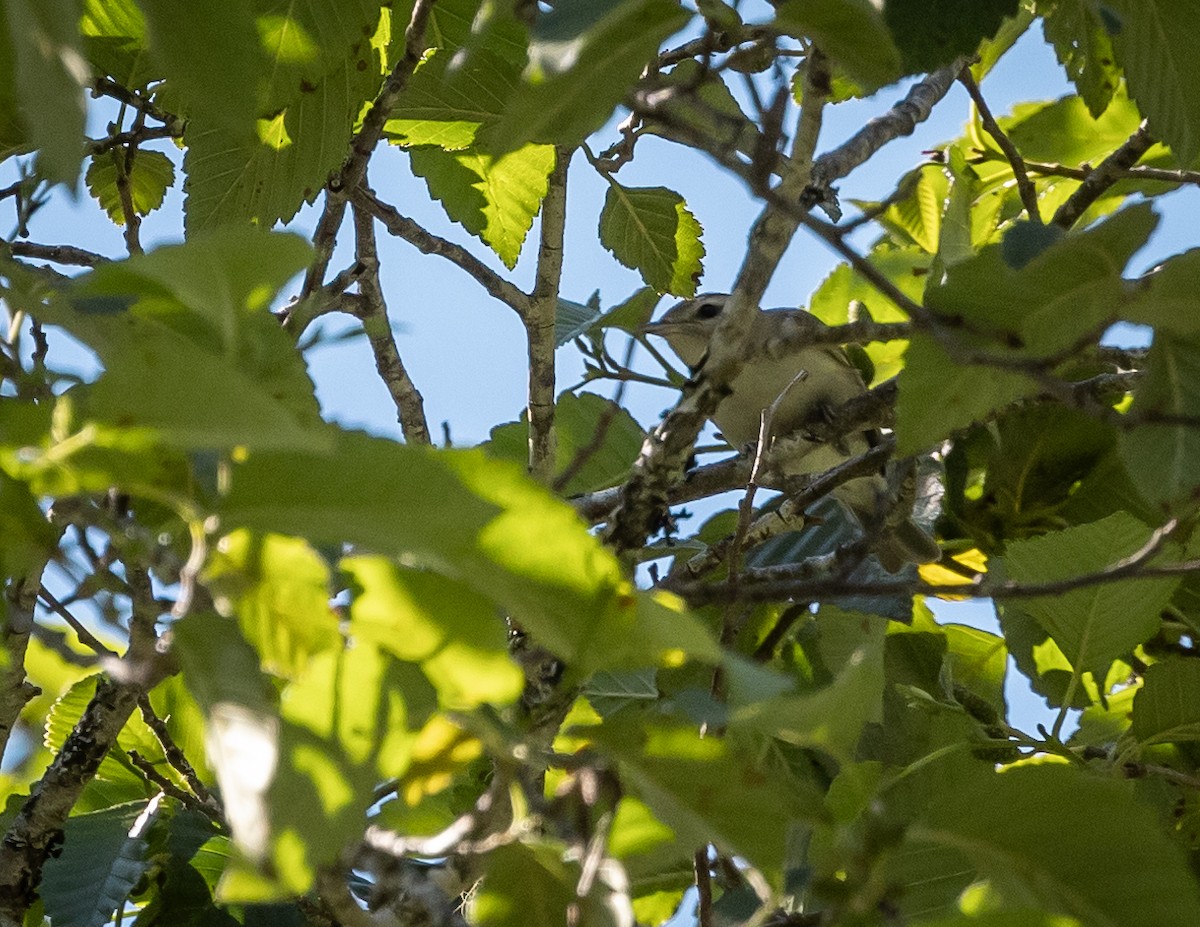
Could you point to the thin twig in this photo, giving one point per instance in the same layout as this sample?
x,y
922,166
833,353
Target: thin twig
x,y
85,636
123,162
174,755
428,243
166,786
1025,186
1130,173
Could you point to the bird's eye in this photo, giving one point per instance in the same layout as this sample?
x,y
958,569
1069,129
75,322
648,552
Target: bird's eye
x,y
708,310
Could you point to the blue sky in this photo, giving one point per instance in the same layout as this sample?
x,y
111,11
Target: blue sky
x,y
465,351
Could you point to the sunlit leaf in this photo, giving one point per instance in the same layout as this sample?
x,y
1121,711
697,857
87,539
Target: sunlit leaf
x,y
149,175
278,588
454,633
651,230
493,197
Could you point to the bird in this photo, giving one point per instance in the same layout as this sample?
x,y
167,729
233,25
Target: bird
x,y
788,367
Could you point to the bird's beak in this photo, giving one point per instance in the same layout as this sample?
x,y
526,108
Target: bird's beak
x,y
662,328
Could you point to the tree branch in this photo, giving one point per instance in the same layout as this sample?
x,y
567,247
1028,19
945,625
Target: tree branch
x,y
901,120
354,170
1024,186
539,319
1104,176
57,254
410,407
36,832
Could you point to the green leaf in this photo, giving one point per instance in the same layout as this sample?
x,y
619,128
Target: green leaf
x,y
918,216
1039,658
1104,724
907,268
978,660
1036,458
1084,49
446,106
219,666
968,223
1169,299
47,75
115,42
584,56
452,632
149,175
1160,458
1065,131
1153,43
1167,707
932,34
992,49
651,230
997,822
27,539
832,718
212,64
493,197
851,32
320,66
578,419
1096,624
348,724
477,520
609,692
100,864
572,319
1065,293
199,314
939,396
533,885
278,589
242,735
704,789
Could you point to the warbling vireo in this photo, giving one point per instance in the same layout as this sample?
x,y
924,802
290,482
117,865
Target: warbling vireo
x,y
772,367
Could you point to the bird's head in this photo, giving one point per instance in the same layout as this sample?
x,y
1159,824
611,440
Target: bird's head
x,y
687,326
